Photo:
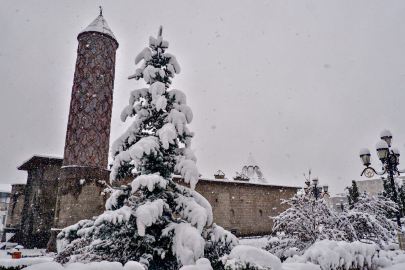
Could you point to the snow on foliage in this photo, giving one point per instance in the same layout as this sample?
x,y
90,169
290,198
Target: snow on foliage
x,y
200,264
247,257
188,244
152,220
309,220
343,255
104,265
147,214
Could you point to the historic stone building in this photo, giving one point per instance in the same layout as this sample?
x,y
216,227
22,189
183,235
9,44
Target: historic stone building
x,y
61,191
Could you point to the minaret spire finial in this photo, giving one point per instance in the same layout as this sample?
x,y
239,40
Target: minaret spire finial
x,y
101,11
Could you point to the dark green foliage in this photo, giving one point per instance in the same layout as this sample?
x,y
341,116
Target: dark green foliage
x,y
389,194
354,194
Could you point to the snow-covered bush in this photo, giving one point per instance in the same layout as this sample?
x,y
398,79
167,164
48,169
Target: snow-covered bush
x,y
152,220
339,255
306,221
343,255
251,258
309,220
368,217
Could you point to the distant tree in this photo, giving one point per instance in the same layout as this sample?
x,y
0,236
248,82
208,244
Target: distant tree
x,y
389,194
152,220
353,195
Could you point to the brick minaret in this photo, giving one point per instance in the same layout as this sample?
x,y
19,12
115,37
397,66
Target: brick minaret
x,y
88,130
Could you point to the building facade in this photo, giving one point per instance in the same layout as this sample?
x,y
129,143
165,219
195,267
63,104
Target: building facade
x,y
374,187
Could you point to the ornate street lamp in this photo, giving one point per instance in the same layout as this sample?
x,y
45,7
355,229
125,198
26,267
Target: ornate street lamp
x,y
390,160
313,189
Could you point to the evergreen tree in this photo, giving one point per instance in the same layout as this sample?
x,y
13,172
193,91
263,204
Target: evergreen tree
x,y
353,195
389,194
152,220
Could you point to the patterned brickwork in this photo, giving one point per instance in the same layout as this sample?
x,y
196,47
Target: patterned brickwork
x,y
88,130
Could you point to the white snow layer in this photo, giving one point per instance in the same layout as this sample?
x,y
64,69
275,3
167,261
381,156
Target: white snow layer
x,y
148,180
144,54
191,211
147,214
253,256
135,152
200,264
338,255
103,265
189,171
167,135
188,245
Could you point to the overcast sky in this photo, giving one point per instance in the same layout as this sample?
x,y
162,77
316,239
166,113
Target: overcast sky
x,y
298,84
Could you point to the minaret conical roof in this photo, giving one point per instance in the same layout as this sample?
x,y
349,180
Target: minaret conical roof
x,y
251,161
99,25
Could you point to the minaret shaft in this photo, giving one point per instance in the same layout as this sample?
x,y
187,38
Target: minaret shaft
x,y
88,129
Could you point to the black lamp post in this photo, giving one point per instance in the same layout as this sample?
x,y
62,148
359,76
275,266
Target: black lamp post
x,y
390,160
314,189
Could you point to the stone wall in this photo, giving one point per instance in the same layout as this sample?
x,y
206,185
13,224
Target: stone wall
x,y
15,209
243,205
79,195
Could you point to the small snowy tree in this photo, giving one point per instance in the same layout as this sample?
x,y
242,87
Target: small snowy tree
x,y
353,195
153,220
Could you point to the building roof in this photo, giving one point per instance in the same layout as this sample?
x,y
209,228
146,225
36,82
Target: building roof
x,y
37,160
251,162
99,25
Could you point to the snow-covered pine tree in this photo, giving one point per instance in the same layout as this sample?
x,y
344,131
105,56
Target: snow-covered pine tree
x,y
353,195
153,220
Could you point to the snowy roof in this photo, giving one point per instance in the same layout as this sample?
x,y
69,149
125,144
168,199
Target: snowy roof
x,y
37,160
251,161
99,25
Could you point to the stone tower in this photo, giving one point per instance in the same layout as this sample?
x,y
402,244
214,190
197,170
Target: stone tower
x,y
85,157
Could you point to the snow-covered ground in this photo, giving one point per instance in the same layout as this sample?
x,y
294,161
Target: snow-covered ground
x,y
320,253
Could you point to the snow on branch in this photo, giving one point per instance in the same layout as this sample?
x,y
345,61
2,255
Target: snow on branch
x,y
137,94
178,96
191,211
157,89
167,135
135,152
148,180
189,171
186,110
144,54
178,119
147,214
188,245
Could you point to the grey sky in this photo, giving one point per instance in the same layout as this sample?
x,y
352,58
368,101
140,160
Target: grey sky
x,y
295,83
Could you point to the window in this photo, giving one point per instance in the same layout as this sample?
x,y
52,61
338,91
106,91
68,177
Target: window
x,y
232,213
261,213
